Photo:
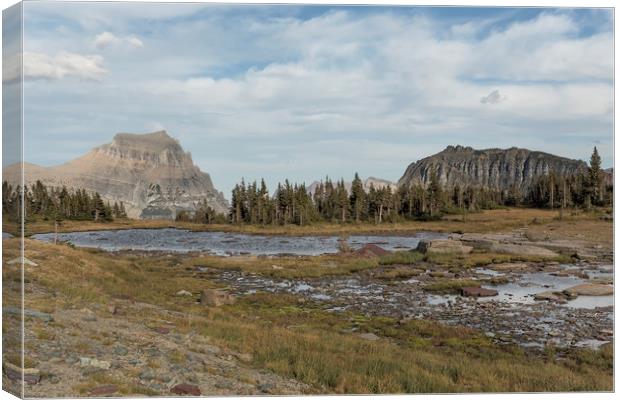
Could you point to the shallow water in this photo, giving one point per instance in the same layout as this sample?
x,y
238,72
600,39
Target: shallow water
x,y
221,243
529,284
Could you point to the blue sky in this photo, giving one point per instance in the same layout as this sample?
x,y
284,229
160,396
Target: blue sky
x,y
301,92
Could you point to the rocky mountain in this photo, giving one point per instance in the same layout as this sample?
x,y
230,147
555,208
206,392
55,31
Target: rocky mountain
x,y
150,173
376,182
497,168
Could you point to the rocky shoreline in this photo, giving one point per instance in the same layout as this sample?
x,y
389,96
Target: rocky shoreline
x,y
522,321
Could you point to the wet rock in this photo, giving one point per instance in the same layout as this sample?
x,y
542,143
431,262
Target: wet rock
x,y
371,250
443,246
590,289
186,389
182,293
13,372
216,297
550,296
103,390
477,292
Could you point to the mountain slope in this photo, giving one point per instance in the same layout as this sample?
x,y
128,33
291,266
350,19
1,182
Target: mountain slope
x,y
150,173
496,168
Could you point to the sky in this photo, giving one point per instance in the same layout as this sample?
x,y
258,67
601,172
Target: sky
x,y
301,92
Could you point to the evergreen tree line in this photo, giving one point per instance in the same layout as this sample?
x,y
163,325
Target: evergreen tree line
x,y
41,202
331,202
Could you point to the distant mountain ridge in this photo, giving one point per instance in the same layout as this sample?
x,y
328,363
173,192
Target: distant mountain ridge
x,y
150,173
376,182
494,168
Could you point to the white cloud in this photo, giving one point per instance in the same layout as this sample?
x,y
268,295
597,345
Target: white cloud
x,y
63,65
134,41
107,39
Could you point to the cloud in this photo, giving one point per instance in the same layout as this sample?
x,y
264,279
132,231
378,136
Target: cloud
x,y
493,98
62,65
345,75
107,39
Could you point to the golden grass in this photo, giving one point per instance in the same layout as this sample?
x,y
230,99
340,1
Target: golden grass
x,y
287,266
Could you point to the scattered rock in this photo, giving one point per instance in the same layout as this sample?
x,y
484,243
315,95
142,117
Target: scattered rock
x,y
45,317
265,387
522,249
164,330
13,372
93,362
216,297
112,309
186,389
103,390
71,360
510,267
181,293
245,357
88,315
369,336
477,292
443,246
147,375
590,289
121,351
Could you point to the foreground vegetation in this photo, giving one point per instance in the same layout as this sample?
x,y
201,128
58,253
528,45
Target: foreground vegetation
x,y
291,337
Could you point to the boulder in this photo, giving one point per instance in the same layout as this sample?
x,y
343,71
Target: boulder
x,y
216,297
369,336
103,390
590,289
186,389
371,250
550,296
45,317
443,246
522,250
13,372
93,362
477,292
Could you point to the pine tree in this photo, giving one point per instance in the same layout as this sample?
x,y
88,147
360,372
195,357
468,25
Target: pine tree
x,y
595,178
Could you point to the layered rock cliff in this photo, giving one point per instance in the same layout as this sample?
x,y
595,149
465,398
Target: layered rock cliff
x,y
150,173
496,168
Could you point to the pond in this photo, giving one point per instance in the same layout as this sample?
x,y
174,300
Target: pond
x,y
222,243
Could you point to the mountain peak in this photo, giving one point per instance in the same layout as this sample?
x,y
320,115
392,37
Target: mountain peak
x,y
154,142
496,168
